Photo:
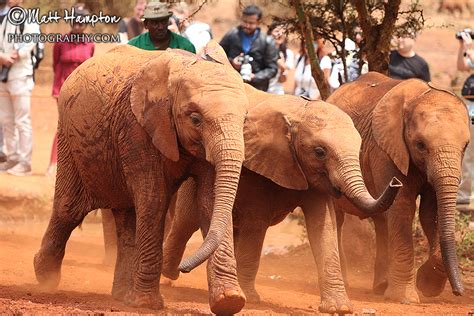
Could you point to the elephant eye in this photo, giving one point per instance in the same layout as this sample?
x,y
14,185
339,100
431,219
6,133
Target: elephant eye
x,y
320,153
420,145
196,119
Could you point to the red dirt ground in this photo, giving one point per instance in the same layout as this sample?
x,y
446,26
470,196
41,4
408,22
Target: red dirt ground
x,y
287,282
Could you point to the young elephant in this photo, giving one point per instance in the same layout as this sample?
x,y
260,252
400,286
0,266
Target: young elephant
x,y
418,132
298,153
131,124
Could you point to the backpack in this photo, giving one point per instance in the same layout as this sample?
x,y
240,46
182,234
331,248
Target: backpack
x,y
37,54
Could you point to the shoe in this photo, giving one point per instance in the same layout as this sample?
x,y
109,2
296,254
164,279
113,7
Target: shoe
x,y
4,166
20,169
3,157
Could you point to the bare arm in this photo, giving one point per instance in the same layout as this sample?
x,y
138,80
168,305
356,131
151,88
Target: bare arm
x,y
465,52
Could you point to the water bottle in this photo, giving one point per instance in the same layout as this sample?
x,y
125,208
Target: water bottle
x,y
246,68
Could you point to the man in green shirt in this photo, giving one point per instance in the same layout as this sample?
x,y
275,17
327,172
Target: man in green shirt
x,y
158,37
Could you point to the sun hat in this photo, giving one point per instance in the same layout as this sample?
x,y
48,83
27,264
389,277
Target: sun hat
x,y
156,10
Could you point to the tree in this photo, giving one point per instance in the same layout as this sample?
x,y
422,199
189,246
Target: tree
x,y
336,20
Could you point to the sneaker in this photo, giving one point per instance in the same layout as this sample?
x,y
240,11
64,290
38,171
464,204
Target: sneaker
x,y
4,166
20,169
3,157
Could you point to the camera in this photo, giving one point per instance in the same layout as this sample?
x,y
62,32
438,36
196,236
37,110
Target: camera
x,y
4,74
246,68
468,31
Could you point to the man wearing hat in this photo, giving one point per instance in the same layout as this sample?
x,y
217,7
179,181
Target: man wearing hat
x,y
158,37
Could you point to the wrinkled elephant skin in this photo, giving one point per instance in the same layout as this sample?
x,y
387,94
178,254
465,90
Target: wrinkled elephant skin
x,y
298,153
418,133
131,125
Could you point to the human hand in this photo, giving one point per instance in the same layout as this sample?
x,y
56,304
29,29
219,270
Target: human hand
x,y
466,40
237,61
14,55
6,60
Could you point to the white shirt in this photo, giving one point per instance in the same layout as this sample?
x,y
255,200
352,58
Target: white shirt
x,y
199,34
305,84
23,66
274,85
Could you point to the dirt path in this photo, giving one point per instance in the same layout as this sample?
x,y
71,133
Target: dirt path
x,y
287,282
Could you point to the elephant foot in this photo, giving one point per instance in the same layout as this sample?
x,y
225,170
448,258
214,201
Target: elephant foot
x,y
402,294
379,287
168,272
430,280
337,304
47,270
251,294
152,300
226,300
166,281
118,293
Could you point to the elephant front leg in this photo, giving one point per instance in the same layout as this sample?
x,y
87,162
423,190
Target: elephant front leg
x,y
125,263
431,276
342,255
225,294
322,234
149,254
401,273
248,251
380,283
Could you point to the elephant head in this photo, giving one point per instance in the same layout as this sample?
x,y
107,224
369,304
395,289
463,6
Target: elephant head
x,y
419,123
191,106
300,144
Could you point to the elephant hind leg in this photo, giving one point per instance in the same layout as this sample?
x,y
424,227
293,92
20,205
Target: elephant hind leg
x,y
125,264
184,223
71,205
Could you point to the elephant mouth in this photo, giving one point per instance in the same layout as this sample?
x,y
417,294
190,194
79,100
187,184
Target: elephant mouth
x,y
336,192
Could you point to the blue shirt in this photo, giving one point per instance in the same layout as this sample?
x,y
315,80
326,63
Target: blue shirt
x,y
247,40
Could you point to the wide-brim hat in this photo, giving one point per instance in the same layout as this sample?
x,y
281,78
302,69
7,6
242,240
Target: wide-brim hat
x,y
156,10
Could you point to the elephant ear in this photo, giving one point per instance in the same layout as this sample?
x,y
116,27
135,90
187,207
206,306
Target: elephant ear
x,y
388,120
151,102
214,52
268,147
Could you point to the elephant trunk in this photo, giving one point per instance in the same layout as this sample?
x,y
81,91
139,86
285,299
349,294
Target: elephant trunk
x,y
353,186
444,175
226,152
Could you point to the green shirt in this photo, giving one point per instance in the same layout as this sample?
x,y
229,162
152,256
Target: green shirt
x,y
143,41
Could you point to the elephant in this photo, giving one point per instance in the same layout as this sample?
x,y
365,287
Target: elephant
x,y
297,153
131,125
417,132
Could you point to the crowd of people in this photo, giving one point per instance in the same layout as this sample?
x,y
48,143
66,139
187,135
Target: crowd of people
x,y
263,59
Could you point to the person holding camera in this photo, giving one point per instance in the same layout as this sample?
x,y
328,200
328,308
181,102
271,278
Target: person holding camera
x,y
16,85
286,58
465,62
250,51
405,63
158,37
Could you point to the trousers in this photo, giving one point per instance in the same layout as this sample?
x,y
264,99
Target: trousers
x,y
15,104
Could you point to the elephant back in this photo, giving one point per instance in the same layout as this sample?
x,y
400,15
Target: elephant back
x,y
106,74
359,98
